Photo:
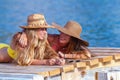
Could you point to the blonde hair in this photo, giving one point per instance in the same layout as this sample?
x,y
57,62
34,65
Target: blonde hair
x,y
34,50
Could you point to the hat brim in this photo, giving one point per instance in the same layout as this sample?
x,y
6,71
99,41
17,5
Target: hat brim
x,y
65,31
34,27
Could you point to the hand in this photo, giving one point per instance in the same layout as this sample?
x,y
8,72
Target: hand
x,y
23,40
60,61
51,61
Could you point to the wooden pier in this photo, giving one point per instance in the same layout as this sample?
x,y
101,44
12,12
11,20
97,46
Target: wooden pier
x,y
72,70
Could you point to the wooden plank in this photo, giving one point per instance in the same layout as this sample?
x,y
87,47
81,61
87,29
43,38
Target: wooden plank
x,y
106,59
75,75
68,68
42,70
107,50
80,64
116,57
18,76
99,52
49,71
103,48
104,54
65,68
53,72
103,51
44,74
92,62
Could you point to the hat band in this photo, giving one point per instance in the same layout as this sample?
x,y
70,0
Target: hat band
x,y
34,20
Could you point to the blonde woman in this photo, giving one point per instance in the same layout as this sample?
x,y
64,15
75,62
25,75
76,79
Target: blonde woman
x,y
37,51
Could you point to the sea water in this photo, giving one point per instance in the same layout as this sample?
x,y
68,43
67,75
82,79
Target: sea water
x,y
100,19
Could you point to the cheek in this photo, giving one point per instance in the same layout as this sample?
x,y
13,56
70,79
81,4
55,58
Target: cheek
x,y
67,40
42,35
41,32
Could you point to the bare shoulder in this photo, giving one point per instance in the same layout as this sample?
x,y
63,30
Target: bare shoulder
x,y
15,39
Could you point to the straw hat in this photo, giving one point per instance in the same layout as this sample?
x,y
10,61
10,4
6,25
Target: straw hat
x,y
36,21
73,29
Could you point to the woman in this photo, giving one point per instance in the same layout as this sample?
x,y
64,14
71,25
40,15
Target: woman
x,y
69,41
37,51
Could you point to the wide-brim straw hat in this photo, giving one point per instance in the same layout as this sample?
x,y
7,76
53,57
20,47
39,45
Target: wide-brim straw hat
x,y
73,29
36,21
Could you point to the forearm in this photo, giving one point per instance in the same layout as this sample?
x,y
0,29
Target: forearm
x,y
77,56
72,56
39,62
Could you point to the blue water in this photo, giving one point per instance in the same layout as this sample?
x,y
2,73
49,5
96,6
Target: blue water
x,y
100,19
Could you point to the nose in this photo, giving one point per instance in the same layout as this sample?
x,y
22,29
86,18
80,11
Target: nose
x,y
45,31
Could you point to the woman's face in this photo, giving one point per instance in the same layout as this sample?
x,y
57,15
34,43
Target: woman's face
x,y
41,32
64,38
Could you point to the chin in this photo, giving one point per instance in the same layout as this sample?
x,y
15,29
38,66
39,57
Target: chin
x,y
41,38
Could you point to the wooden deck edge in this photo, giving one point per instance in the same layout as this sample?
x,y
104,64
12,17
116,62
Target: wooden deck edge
x,y
55,72
116,57
67,68
44,74
80,64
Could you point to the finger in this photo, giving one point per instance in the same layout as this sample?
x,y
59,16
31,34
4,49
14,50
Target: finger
x,y
58,62
52,61
62,61
61,54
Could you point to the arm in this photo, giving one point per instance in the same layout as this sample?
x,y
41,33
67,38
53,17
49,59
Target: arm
x,y
69,56
84,53
43,62
38,62
51,54
76,56
21,39
15,41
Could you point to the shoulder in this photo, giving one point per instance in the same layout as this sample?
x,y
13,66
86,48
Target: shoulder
x,y
15,40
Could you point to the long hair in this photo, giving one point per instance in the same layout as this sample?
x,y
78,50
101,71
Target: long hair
x,y
75,45
34,50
